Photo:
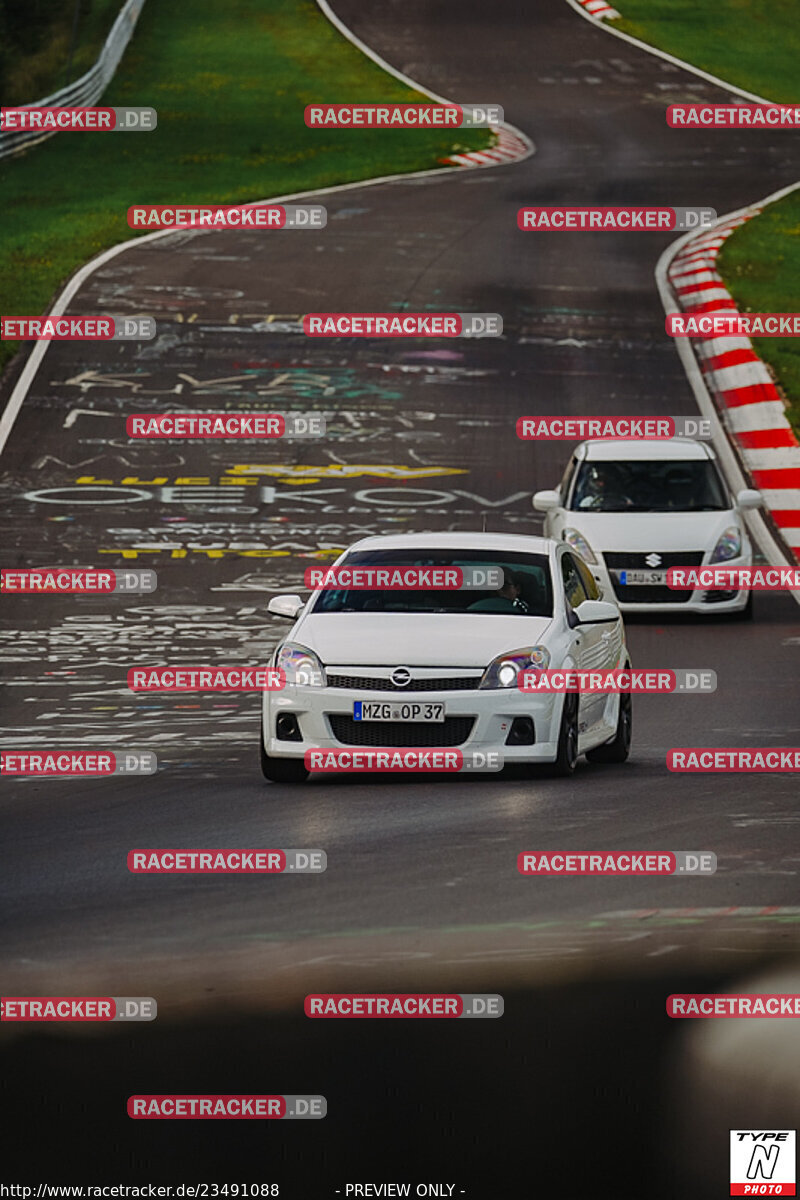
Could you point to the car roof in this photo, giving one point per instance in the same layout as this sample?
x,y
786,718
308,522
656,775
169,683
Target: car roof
x,y
605,450
458,541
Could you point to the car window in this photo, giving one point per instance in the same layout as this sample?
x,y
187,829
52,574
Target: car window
x,y
587,579
648,485
532,594
573,588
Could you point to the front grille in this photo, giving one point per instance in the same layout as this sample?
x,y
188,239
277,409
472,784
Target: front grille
x,y
636,561
365,683
452,731
651,593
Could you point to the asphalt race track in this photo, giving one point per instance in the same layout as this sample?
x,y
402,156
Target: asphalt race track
x,y
422,882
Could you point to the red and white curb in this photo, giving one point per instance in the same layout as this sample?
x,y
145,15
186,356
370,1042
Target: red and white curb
x,y
739,382
509,147
599,9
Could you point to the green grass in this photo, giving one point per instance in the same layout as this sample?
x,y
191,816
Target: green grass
x,y
760,263
756,45
752,43
230,84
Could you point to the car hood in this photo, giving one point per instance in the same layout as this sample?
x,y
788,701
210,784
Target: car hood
x,y
650,531
416,640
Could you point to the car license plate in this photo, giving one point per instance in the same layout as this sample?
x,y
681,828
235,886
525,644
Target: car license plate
x,y
638,578
397,710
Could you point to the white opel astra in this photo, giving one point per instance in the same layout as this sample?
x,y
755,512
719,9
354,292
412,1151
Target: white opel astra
x,y
632,509
439,668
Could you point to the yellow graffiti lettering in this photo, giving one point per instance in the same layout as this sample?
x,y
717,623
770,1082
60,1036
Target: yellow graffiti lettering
x,y
299,473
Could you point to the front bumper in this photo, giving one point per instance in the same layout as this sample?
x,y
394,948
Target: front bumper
x,y
698,601
485,715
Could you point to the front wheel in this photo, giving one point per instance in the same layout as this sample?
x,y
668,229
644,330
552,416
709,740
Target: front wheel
x,y
282,770
618,749
567,755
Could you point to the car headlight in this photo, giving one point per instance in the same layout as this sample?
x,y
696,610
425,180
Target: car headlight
x,y
301,666
503,671
575,538
729,545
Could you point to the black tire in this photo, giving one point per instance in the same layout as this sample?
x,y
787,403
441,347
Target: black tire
x,y
618,749
567,755
282,770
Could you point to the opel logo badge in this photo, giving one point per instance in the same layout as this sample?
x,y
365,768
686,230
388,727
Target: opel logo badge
x,y
401,677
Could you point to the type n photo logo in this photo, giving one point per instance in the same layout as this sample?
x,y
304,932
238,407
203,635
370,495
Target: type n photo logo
x,y
763,1162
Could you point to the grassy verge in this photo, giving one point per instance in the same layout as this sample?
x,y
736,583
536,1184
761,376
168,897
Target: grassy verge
x,y
760,263
43,48
752,43
230,85
757,46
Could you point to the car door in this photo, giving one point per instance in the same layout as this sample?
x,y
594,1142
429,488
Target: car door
x,y
612,634
590,647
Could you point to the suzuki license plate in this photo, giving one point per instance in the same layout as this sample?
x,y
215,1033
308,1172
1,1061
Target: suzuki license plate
x,y
639,578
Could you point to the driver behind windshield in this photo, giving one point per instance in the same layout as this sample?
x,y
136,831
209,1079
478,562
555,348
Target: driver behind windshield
x,y
507,599
597,484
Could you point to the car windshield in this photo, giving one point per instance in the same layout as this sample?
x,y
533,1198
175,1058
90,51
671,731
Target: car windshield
x,y
527,588
649,485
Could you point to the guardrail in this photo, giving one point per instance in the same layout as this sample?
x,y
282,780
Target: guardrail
x,y
89,88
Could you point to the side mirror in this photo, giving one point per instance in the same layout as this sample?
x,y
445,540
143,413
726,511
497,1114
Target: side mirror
x,y
596,612
546,501
285,606
749,498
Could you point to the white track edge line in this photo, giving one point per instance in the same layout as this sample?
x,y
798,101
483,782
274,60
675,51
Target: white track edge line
x,y
670,58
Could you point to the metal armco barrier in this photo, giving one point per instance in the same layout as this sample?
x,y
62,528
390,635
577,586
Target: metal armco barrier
x,y
89,88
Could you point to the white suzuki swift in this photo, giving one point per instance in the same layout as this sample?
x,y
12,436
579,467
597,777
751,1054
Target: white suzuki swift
x,y
356,660
632,509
